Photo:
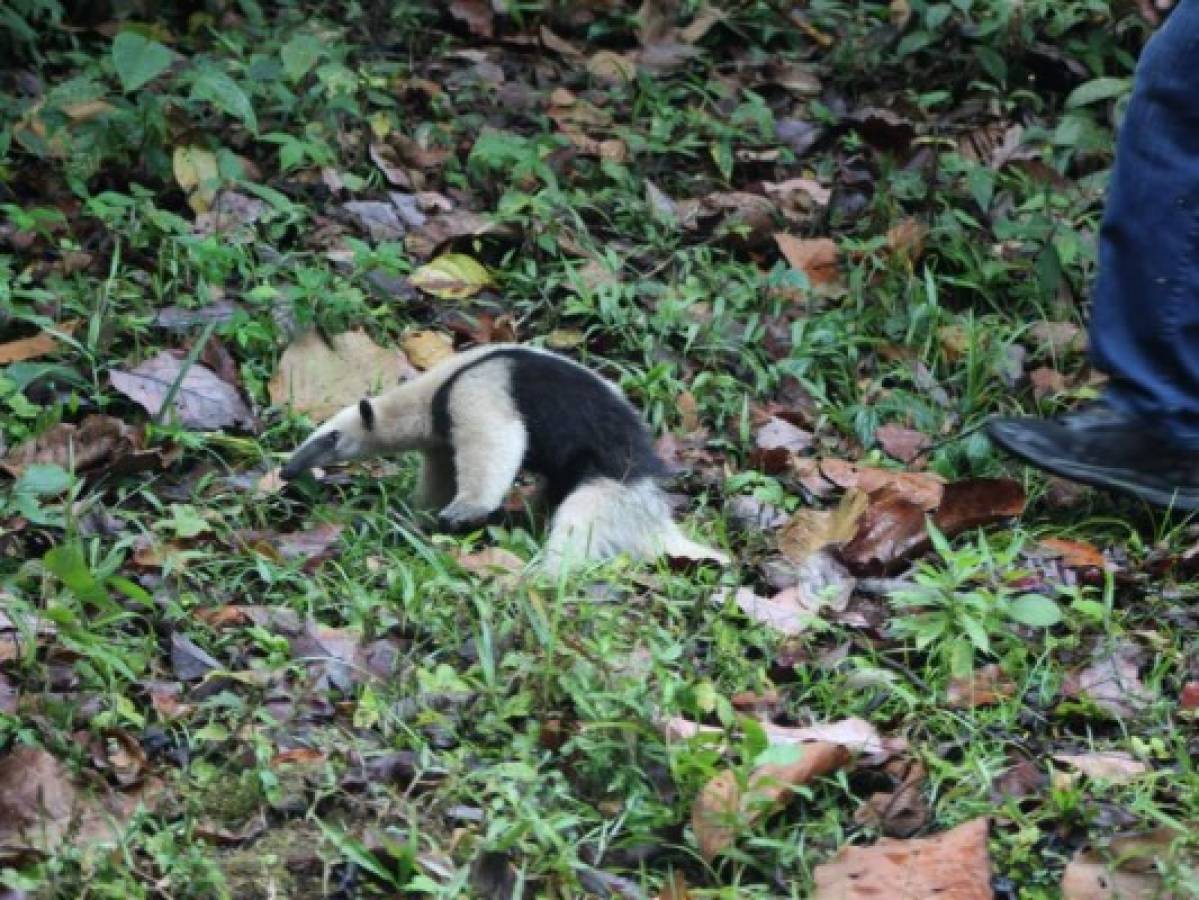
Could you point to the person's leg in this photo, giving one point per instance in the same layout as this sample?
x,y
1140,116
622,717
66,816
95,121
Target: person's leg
x,y
1143,439
1145,316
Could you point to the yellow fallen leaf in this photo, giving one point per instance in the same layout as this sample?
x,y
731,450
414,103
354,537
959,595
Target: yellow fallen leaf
x,y
196,172
320,378
454,276
33,347
425,349
609,66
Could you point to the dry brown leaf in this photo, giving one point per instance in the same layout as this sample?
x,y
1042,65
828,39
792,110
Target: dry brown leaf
x,y
476,14
493,562
675,887
905,239
1075,554
815,257
1132,872
722,811
1057,338
1046,382
953,865
891,528
425,349
975,502
1188,697
904,444
924,489
37,800
1113,766
811,530
319,379
36,346
853,734
899,813
954,341
983,687
607,65
203,401
447,226
788,612
96,442
1111,682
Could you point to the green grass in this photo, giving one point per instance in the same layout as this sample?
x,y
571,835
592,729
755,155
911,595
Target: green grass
x,y
525,716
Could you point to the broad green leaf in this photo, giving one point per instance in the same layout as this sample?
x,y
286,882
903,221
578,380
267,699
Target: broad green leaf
x,y
1035,610
300,54
138,59
454,276
67,562
1097,90
225,94
42,479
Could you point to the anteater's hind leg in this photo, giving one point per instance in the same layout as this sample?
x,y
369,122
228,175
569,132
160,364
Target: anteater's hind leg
x,y
435,486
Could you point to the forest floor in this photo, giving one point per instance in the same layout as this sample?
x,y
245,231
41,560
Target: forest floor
x,y
817,245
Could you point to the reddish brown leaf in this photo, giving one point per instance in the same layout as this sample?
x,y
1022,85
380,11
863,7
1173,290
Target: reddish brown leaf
x,y
953,865
905,239
890,529
1189,697
978,501
1046,382
899,813
905,444
1075,554
924,489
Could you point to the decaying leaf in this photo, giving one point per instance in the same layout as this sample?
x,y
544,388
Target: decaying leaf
x,y
97,442
905,239
904,444
1113,766
722,810
983,687
426,349
454,276
39,345
203,401
319,378
953,865
817,258
37,800
493,562
197,174
1128,868
811,530
899,813
1111,681
924,489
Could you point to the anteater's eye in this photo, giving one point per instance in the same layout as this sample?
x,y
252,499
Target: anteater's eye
x,y
331,438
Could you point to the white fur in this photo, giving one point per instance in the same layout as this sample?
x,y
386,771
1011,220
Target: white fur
x,y
468,479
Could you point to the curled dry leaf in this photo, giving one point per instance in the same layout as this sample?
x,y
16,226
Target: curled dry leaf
x,y
320,378
425,349
203,402
1113,766
447,226
899,813
722,810
811,530
925,489
39,345
749,217
953,865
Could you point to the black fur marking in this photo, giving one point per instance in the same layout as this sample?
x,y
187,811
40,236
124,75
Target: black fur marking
x,y
578,428
367,413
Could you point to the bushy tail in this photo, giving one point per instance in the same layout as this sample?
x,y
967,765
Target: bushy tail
x,y
603,518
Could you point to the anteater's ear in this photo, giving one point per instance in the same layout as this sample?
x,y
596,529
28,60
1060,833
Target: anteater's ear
x,y
367,413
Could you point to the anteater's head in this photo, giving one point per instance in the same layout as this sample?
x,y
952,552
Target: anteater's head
x,y
348,435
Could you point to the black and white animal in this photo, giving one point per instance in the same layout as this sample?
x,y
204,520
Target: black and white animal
x,y
480,416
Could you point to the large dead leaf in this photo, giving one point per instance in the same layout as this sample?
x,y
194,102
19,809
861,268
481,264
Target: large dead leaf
x,y
1111,681
815,257
905,444
203,401
1128,869
722,810
748,217
454,276
983,687
197,174
98,442
37,800
36,346
319,379
953,865
890,529
925,489
975,502
1113,766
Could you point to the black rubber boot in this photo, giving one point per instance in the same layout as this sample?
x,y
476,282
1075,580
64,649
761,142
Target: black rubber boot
x,y
1108,449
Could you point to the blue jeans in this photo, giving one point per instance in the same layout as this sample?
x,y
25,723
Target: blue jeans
x,y
1145,316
